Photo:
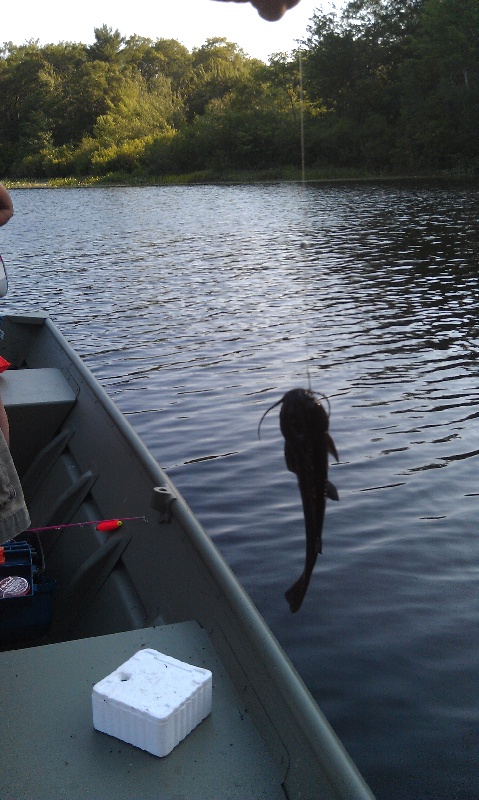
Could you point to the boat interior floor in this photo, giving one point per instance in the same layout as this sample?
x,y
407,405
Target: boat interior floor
x,y
56,753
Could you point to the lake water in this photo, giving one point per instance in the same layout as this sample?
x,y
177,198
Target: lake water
x,y
197,308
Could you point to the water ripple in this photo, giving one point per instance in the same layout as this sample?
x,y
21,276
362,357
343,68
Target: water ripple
x,y
197,308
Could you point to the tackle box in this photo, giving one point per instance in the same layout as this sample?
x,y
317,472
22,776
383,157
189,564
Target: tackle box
x,y
25,594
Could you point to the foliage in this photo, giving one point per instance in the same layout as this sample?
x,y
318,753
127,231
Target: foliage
x,y
399,78
440,87
387,85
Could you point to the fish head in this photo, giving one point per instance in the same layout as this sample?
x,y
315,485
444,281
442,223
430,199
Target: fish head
x,y
301,412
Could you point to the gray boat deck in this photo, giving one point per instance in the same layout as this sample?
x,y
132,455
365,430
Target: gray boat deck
x,y
54,752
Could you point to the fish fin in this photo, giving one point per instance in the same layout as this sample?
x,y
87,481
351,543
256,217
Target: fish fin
x,y
331,491
331,446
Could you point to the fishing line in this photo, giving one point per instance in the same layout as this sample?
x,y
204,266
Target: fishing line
x,y
304,244
301,117
303,261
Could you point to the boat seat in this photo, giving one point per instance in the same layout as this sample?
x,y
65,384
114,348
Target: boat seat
x,y
37,402
223,757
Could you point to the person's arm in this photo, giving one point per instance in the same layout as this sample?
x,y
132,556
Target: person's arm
x,y
6,205
270,9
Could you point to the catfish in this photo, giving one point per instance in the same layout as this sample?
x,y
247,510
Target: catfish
x,y
304,424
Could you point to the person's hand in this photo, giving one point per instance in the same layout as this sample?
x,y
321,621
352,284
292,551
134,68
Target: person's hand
x,y
269,9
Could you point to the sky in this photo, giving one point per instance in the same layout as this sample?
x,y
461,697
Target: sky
x,y
189,21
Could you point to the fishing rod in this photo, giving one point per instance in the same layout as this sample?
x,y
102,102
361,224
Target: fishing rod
x,y
101,524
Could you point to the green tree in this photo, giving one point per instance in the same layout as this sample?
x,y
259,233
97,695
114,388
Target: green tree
x,y
139,112
352,64
440,88
215,69
165,57
256,125
26,84
144,111
107,45
387,84
176,62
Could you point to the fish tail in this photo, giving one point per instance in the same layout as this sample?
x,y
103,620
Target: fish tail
x,y
295,595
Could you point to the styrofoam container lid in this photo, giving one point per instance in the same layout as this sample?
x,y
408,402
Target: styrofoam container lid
x,y
153,683
152,701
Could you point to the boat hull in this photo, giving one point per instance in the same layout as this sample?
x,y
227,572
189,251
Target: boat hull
x,y
160,572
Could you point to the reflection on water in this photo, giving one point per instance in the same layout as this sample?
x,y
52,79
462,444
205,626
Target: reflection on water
x,y
197,308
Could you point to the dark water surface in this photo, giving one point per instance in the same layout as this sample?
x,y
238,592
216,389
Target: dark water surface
x,y
197,308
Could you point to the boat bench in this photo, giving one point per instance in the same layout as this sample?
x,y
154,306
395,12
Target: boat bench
x,y
223,757
37,401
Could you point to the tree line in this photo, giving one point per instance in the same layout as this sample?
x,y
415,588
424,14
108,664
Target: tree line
x,y
384,86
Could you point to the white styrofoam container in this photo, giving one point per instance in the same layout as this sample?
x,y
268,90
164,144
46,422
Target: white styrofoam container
x,y
152,701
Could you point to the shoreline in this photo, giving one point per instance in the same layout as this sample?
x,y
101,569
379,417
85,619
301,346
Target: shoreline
x,y
208,177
